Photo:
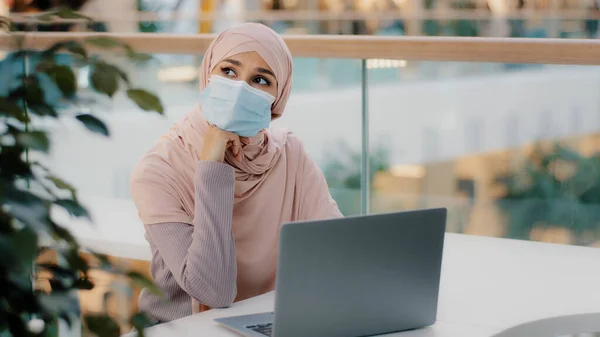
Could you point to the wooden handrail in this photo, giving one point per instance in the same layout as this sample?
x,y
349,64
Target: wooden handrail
x,y
498,50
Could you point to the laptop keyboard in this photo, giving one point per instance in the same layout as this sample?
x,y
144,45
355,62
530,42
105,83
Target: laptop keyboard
x,y
265,329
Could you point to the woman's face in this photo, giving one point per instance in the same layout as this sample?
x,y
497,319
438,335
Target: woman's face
x,y
251,68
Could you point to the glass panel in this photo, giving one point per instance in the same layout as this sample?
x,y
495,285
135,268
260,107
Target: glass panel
x,y
325,112
512,153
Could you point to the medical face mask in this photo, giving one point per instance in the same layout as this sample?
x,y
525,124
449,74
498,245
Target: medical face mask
x,y
235,106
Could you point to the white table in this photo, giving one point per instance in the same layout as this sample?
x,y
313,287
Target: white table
x,y
487,285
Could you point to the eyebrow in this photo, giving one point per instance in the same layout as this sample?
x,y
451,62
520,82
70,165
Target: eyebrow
x,y
234,62
260,70
265,71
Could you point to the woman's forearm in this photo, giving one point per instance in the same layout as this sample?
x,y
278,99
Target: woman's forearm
x,y
201,257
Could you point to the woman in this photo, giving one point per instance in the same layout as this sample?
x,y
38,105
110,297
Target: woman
x,y
214,192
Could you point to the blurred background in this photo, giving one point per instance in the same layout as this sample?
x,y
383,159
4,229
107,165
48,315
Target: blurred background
x,y
511,18
513,150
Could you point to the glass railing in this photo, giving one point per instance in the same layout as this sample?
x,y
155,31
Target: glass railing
x,y
504,133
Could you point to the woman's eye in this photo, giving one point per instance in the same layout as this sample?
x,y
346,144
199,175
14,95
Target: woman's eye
x,y
228,72
261,81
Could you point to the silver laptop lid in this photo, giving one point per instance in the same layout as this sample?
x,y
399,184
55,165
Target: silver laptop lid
x,y
359,276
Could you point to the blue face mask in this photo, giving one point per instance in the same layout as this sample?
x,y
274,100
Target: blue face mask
x,y
235,106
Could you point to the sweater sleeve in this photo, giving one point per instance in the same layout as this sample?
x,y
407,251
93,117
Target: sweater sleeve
x,y
201,257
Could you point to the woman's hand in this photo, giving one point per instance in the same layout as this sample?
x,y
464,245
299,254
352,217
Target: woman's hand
x,y
217,141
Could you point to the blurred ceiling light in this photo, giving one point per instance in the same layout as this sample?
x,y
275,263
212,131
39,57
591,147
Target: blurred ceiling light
x,y
334,5
407,171
290,3
501,7
365,5
177,74
385,64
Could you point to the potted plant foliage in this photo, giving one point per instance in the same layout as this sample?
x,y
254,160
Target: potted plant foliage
x,y
47,89
556,188
343,174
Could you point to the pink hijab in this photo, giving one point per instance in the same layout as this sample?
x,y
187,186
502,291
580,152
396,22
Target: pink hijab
x,y
276,182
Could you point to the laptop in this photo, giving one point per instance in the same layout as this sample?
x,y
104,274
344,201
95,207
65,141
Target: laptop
x,y
354,276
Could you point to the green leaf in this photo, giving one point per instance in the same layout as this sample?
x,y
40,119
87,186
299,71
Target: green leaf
x,y
12,162
68,318
74,259
76,48
140,321
57,270
19,250
122,74
73,207
568,154
93,124
36,140
143,282
63,185
113,69
59,302
62,13
104,42
83,283
28,208
105,80
66,13
15,324
102,325
139,57
62,233
63,278
45,17
103,259
40,165
64,78
25,244
135,56
12,109
145,100
33,92
71,46
43,109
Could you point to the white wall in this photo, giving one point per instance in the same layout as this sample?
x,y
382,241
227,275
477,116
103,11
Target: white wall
x,y
420,122
430,121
